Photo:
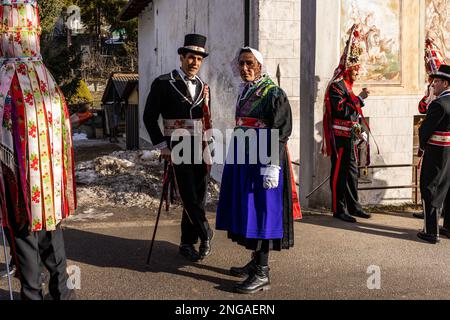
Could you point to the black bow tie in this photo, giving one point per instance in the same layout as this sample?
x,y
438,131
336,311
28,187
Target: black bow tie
x,y
193,80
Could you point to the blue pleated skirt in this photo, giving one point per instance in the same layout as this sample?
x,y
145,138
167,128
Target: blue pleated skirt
x,y
245,208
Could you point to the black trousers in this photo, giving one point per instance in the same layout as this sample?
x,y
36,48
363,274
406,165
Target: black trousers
x,y
344,178
435,175
192,182
435,186
34,249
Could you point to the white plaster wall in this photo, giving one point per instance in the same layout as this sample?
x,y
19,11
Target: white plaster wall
x,y
148,65
326,59
392,122
164,25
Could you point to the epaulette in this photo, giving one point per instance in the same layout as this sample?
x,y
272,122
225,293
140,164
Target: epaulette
x,y
165,77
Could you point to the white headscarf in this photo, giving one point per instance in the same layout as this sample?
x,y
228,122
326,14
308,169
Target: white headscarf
x,y
235,63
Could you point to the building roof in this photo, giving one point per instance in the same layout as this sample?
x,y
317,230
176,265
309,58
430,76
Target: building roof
x,y
119,87
132,9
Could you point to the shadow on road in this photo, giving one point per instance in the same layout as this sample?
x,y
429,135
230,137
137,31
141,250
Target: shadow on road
x,y
395,213
364,227
112,252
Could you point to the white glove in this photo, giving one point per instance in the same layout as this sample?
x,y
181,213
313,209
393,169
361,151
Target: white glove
x,y
271,176
364,137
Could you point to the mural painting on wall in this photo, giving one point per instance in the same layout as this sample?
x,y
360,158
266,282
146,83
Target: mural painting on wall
x,y
381,32
438,24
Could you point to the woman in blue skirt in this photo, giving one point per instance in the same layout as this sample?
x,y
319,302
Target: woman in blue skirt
x,y
258,201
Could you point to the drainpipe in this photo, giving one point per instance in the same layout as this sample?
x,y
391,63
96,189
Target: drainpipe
x,y
247,22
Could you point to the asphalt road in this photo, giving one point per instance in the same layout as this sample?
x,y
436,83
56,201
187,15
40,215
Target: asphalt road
x,y
330,261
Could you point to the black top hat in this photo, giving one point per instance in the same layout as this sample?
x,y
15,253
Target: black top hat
x,y
194,43
443,73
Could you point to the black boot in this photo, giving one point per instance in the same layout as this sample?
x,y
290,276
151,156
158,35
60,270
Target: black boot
x,y
189,252
362,214
244,272
344,217
256,282
205,246
432,216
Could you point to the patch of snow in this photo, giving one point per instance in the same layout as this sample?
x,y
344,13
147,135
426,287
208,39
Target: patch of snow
x,y
80,137
90,215
125,179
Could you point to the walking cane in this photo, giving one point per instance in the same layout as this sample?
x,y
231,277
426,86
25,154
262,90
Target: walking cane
x,y
165,189
7,263
320,186
168,171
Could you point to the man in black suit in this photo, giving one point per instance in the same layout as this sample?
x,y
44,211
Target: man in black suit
x,y
181,98
435,143
433,60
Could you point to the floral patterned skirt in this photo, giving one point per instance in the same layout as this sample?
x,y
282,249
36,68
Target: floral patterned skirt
x,y
36,144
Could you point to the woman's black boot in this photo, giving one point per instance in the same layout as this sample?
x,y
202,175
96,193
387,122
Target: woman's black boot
x,y
256,282
248,270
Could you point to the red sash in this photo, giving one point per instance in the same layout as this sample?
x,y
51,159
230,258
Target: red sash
x,y
207,126
440,139
297,211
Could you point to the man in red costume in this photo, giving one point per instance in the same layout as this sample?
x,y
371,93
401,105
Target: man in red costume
x,y
343,131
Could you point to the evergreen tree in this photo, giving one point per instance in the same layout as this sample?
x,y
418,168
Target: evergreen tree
x,y
99,17
49,12
64,63
98,14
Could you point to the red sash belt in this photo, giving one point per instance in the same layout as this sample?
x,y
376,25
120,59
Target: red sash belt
x,y
441,139
191,126
343,128
251,123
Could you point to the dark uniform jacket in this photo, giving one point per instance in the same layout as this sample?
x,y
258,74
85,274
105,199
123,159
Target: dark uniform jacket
x,y
438,119
344,105
435,176
170,98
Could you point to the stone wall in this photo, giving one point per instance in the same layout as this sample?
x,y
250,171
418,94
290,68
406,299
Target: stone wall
x,y
279,42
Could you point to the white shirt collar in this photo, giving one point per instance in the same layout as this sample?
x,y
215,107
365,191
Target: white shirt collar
x,y
191,87
183,75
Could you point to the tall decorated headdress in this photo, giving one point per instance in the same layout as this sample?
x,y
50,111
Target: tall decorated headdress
x,y
433,56
433,61
351,58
